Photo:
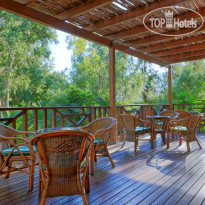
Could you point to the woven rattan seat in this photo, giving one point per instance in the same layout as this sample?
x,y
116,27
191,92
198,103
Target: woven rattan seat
x,y
134,128
185,129
101,129
63,157
13,153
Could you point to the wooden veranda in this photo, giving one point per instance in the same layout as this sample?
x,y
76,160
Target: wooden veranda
x,y
158,176
119,26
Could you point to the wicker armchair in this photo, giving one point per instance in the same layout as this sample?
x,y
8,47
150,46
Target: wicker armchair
x,y
171,114
186,130
134,128
63,163
182,114
101,129
13,152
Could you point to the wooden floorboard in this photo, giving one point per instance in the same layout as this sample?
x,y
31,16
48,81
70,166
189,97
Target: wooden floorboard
x,y
158,176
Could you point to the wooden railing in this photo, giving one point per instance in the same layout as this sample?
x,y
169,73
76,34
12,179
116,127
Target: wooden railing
x,y
34,118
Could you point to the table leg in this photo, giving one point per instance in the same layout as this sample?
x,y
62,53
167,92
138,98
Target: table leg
x,y
87,180
92,159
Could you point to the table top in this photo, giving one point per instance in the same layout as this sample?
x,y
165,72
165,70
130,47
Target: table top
x,y
56,129
158,117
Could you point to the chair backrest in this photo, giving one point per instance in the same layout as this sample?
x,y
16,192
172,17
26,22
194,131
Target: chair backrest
x,y
60,154
171,114
101,125
182,114
130,123
6,132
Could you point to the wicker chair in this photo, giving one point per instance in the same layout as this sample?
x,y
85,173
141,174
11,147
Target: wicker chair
x,y
134,128
171,114
13,152
185,128
101,129
63,163
182,114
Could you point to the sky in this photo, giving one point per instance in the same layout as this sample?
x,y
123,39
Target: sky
x,y
60,53
62,56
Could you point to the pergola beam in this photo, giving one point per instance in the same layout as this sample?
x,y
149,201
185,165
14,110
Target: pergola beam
x,y
142,29
112,82
183,49
184,55
132,14
156,38
174,43
187,59
170,87
32,14
81,9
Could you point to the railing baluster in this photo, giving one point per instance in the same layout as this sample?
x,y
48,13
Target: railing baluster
x,y
99,112
25,120
45,123
35,120
53,118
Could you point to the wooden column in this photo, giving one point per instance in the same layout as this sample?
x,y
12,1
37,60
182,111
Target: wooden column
x,y
170,87
112,87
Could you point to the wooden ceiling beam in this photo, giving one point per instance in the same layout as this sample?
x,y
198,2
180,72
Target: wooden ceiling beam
x,y
174,43
35,15
142,29
138,54
32,14
194,58
81,9
158,37
179,50
132,14
184,55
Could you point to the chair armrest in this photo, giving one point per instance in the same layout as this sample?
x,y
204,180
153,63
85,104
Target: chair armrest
x,y
2,138
24,133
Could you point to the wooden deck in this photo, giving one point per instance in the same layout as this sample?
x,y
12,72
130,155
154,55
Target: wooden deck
x,y
158,176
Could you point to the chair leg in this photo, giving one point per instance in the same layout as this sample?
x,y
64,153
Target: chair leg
x,y
123,142
188,147
113,164
180,140
163,138
31,175
84,199
8,172
168,134
198,143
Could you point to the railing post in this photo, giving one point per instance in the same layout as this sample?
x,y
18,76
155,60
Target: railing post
x,y
170,87
35,120
112,87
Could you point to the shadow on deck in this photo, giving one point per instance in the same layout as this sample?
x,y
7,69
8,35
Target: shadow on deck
x,y
158,176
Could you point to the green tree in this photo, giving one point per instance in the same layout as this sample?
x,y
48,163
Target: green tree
x,y
24,60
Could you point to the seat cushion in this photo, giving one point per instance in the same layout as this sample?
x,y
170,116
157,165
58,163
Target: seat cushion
x,y
140,129
179,128
24,149
159,123
97,140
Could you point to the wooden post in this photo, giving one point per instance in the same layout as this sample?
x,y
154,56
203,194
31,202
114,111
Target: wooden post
x,y
112,88
170,87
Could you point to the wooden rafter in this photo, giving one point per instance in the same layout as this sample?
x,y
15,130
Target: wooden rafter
x,y
187,59
32,14
158,37
142,29
81,9
139,54
132,14
174,43
179,50
184,55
